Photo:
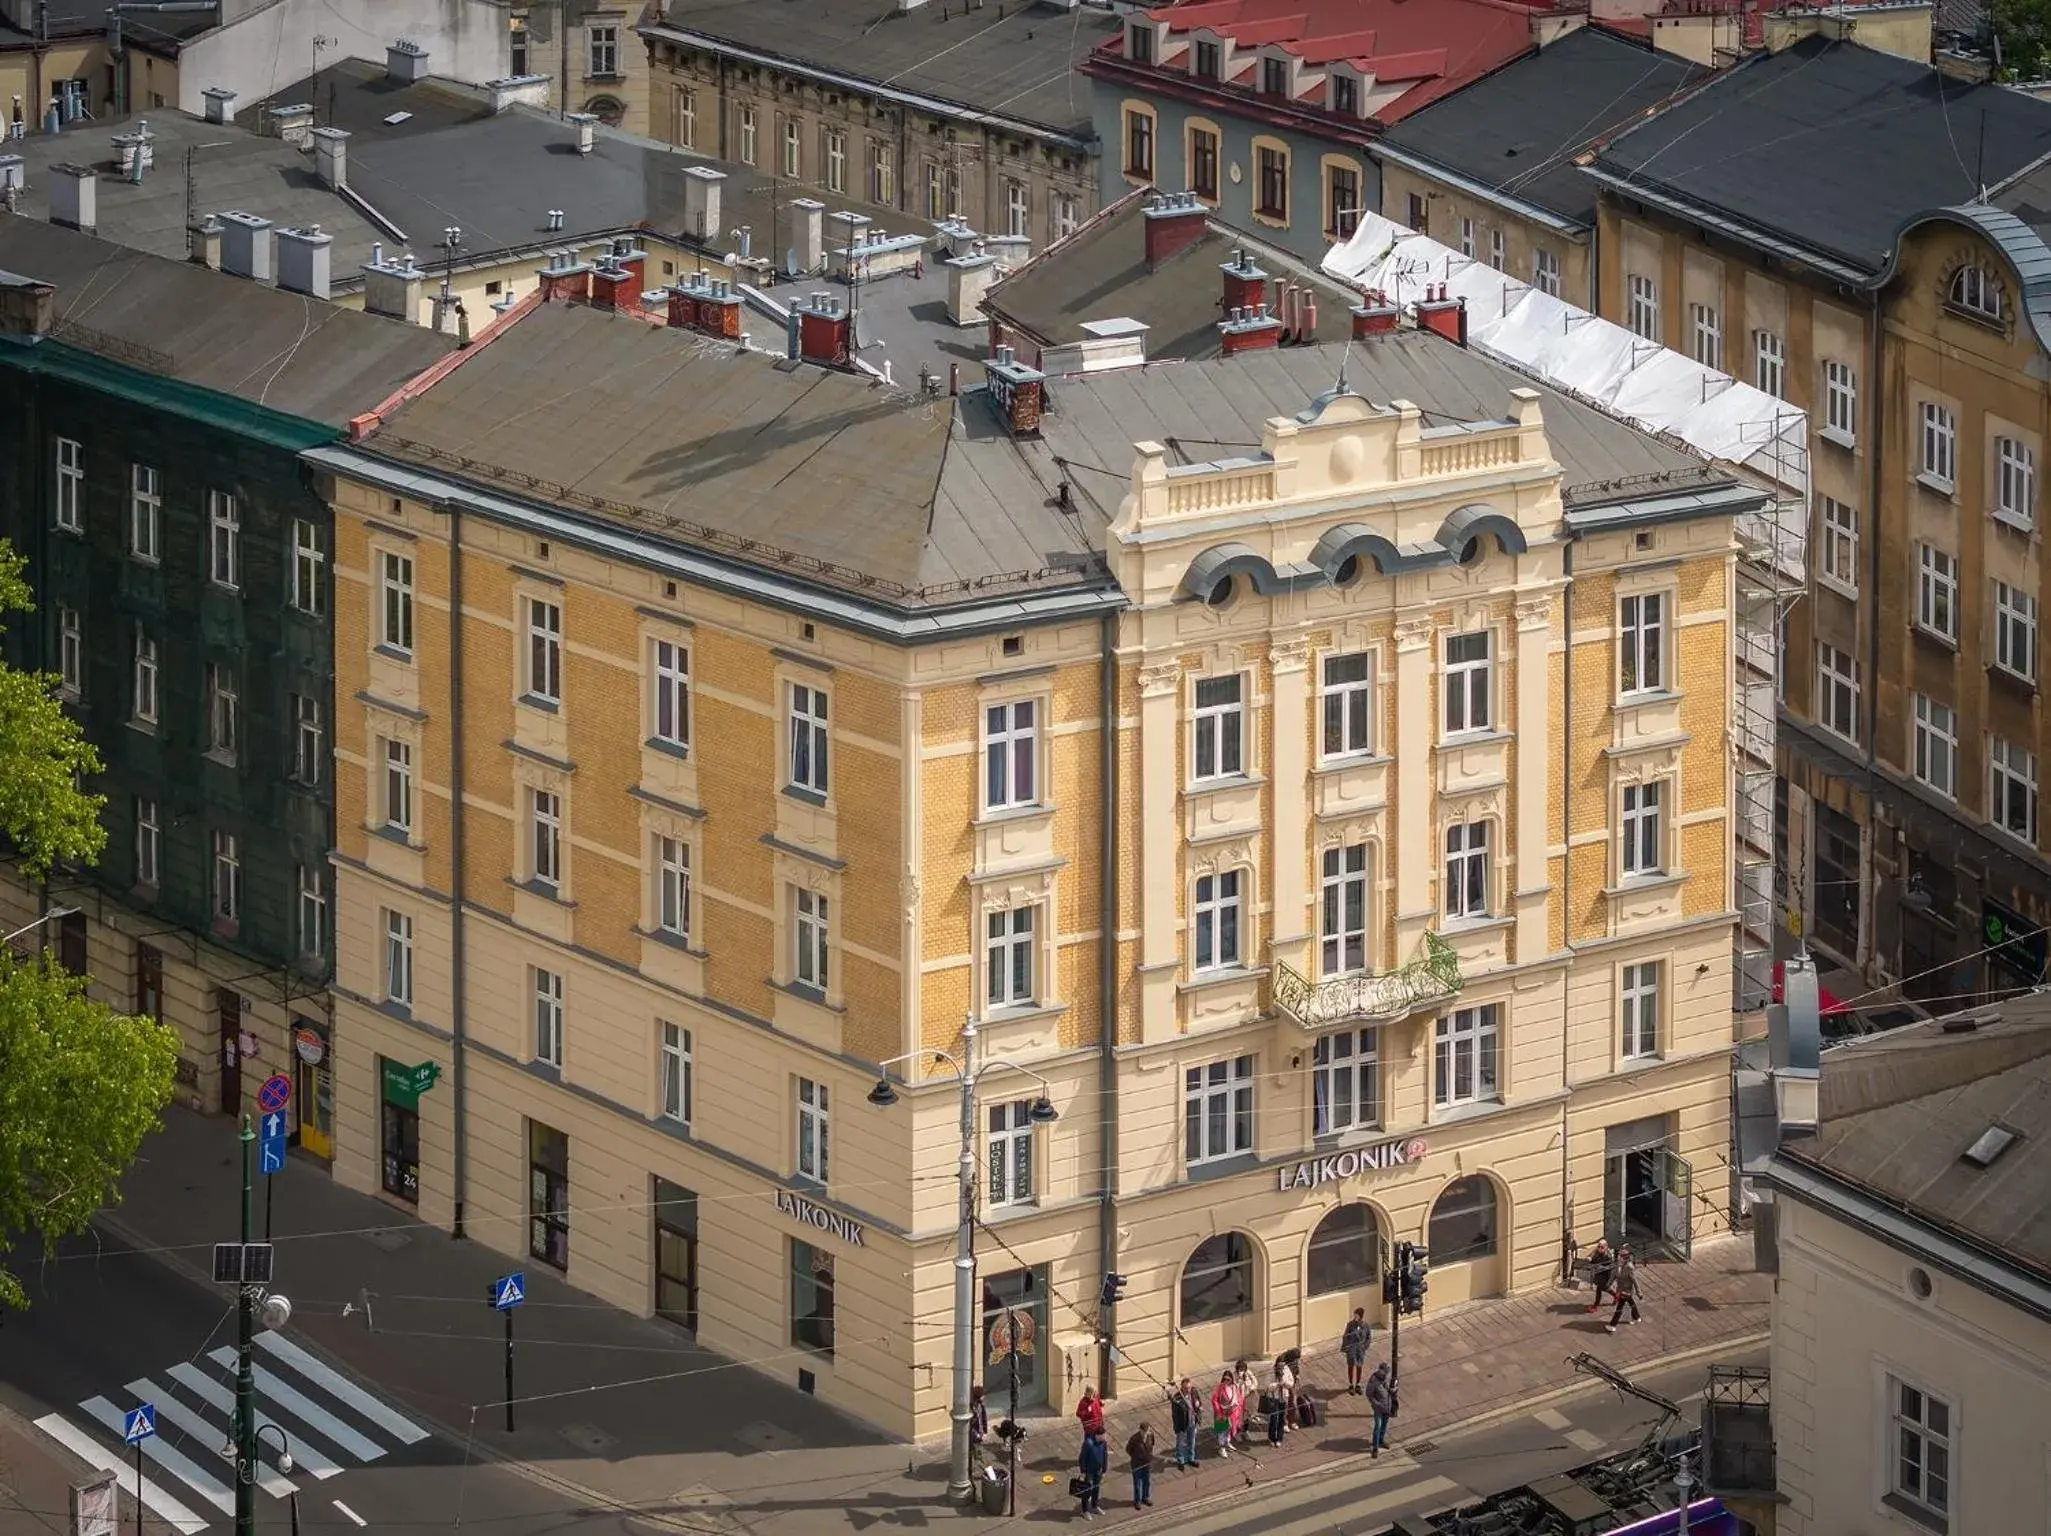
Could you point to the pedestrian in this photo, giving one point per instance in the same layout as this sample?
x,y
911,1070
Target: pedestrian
x,y
979,1425
1090,1411
1140,1448
1249,1399
1285,1383
1353,1345
1626,1287
1187,1411
1276,1401
1381,1401
1090,1465
1225,1412
1602,1270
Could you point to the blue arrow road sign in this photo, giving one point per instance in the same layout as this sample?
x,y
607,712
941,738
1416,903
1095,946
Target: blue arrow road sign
x,y
271,1148
508,1291
139,1423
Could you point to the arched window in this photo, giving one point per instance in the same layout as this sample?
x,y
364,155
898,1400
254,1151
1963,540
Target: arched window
x,y
607,109
1344,1251
1463,1221
1217,1282
1974,290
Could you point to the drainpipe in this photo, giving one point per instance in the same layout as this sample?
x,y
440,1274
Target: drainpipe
x,y
1870,609
1567,1245
1107,984
458,1024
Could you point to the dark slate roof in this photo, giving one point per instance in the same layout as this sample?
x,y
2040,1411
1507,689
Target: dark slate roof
x,y
1828,147
296,355
1517,130
1012,60
359,95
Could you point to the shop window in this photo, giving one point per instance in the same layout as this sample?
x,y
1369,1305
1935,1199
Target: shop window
x,y
399,1146
1345,1251
811,1297
1217,1282
1015,1332
1463,1221
676,1254
548,1195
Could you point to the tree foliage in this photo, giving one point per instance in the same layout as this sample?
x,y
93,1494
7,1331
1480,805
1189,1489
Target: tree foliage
x,y
80,1085
2023,30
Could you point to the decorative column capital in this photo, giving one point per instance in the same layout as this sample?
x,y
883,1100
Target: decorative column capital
x,y
1160,677
1414,631
1289,656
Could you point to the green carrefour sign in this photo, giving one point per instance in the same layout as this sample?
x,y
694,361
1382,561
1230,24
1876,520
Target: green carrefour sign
x,y
404,1085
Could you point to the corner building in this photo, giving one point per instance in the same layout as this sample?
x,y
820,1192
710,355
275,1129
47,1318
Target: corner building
x,y
722,728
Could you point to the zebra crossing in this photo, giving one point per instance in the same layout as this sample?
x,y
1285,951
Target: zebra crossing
x,y
329,1422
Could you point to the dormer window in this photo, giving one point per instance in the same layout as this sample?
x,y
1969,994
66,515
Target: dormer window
x,y
1204,61
1345,95
1975,292
1140,45
1274,77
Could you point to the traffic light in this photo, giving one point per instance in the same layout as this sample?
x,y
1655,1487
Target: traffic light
x,y
1416,1266
1113,1291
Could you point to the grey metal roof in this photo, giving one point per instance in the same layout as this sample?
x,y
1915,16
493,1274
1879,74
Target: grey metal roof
x,y
294,354
1515,132
1830,147
358,95
1016,60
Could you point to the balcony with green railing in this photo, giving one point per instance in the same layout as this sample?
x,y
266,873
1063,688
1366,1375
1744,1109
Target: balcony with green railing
x,y
1431,977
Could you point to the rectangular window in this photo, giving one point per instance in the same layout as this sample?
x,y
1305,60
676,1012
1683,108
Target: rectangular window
x,y
70,485
1837,691
2015,483
227,877
1838,532
671,707
1644,307
1940,445
811,935
1342,199
1274,77
1642,643
1141,44
1919,1481
1769,363
808,743
1418,213
1217,920
811,1298
1018,208
1067,214
1644,845
836,160
548,1017
548,1195
674,1074
1342,911
308,739
1139,144
1217,1111
1010,956
1466,893
1205,57
399,958
1273,192
2012,789
747,135
790,158
1203,163
1497,252
687,115
398,785
309,563
1220,727
149,983
224,540
1936,745
1345,95
1466,237
815,1129
1937,591
603,42
313,914
70,651
882,174
545,821
395,586
1346,701
1464,1051
1467,682
1705,336
1011,746
148,835
145,514
1545,271
1841,402
673,887
1345,1083
936,191
2015,631
223,708
1009,1154
1641,1010
544,678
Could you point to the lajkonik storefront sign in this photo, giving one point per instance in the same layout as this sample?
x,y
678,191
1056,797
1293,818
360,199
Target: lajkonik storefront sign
x,y
1312,1172
798,1208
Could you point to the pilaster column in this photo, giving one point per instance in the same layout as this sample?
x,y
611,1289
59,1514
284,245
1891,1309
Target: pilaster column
x,y
1159,815
1416,854
1289,663
1536,732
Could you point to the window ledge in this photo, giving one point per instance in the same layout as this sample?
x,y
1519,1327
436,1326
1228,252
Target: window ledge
x,y
216,755
1221,1167
398,837
679,942
1019,1013
1908,1509
143,727
1630,885
804,796
1000,815
1456,927
1930,636
1647,697
1474,1109
1842,588
1837,435
1223,783
1454,740
806,994
1221,976
2010,678
2016,522
393,653
679,750
224,927
1352,760
543,889
805,1182
1936,484
536,701
1352,1136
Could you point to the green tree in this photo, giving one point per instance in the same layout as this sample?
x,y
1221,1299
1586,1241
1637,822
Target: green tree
x,y
80,1085
2022,28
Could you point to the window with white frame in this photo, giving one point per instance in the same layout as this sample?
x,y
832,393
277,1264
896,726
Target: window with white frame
x,y
791,147
836,159
1705,336
1545,271
673,1073
810,934
148,840
808,741
1936,744
1921,1447
2015,631
1466,892
1937,591
1769,363
1342,910
1498,251
2015,482
603,50
883,174
746,135
1018,208
815,1129
1067,214
548,1016
544,679
145,685
1218,920
395,601
670,709
398,958
1642,309
686,115
1217,1111
398,786
1940,444
1008,1153
313,913
224,540
673,887
1641,644
1976,291
70,485
309,562
2012,788
1220,727
145,513
227,876
309,738
1837,691
1464,1057
545,836
1011,754
70,651
1466,237
1841,401
1010,958
1346,701
1467,682
1644,843
1640,994
1838,533
1345,1082
223,710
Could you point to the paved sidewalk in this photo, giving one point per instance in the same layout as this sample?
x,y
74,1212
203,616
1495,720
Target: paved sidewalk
x,y
35,1484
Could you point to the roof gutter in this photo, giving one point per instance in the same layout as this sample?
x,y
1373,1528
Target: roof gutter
x,y
1575,228
1695,213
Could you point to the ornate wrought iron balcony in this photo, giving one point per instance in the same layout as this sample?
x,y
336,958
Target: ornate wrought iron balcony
x,y
1432,976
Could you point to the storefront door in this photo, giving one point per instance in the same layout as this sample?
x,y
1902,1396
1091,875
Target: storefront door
x,y
676,1254
1015,1335
228,1005
1646,1193
313,1088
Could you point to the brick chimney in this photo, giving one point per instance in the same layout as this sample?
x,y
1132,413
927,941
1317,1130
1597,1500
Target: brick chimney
x,y
1248,330
27,306
293,123
823,332
1448,317
1246,285
203,242
1175,222
1376,317
719,310
626,254
615,285
565,277
1020,392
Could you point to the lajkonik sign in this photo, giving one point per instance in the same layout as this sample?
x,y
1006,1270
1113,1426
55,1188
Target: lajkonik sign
x,y
798,1208
1314,1171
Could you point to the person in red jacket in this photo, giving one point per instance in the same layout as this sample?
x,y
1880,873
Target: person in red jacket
x,y
1090,1412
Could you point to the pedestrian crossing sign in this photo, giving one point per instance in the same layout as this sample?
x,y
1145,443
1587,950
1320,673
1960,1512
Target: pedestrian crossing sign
x,y
138,1424
508,1291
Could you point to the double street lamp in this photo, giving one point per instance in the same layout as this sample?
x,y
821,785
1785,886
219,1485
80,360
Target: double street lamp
x,y
968,1072
246,1467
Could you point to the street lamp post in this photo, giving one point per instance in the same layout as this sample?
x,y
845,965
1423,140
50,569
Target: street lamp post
x,y
246,1468
968,1071
50,916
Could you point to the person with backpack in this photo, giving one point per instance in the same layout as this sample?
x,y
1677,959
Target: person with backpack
x,y
1602,1271
1140,1448
1353,1344
1381,1401
1186,1409
1626,1287
1090,1465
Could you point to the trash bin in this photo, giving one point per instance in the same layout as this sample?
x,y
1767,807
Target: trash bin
x,y
996,1490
